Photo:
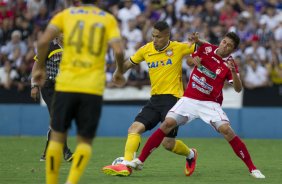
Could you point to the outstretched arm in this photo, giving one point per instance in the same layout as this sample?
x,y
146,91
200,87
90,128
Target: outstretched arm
x,y
194,38
237,84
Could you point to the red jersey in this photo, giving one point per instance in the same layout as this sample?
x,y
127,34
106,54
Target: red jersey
x,y
206,81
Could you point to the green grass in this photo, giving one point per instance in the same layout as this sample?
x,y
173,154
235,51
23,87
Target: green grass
x,y
217,164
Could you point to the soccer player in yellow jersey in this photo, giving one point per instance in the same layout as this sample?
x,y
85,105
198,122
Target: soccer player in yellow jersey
x,y
164,58
80,82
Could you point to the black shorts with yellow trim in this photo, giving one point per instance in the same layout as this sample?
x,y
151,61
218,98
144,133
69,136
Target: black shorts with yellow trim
x,y
85,109
155,111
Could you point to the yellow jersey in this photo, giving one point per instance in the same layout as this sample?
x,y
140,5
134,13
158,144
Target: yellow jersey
x,y
165,67
87,31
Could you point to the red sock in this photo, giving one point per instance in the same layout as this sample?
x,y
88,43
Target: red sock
x,y
241,151
152,143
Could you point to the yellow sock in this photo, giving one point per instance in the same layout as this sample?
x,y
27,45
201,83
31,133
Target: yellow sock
x,y
80,160
131,146
53,160
180,148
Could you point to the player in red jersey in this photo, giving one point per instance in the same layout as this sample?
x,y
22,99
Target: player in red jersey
x,y
203,98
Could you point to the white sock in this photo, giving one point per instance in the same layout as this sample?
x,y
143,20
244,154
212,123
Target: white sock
x,y
191,154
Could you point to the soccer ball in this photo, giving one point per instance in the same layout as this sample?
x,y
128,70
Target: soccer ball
x,y
118,161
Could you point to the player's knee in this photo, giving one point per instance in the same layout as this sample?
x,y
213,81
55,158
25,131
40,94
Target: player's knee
x,y
226,131
136,127
168,125
168,143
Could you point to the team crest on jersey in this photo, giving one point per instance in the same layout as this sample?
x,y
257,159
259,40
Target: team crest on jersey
x,y
169,52
208,50
203,79
218,71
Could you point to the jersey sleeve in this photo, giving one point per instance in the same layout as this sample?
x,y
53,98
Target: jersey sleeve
x,y
199,50
57,21
188,48
138,57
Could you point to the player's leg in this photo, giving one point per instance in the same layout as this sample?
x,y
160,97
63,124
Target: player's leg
x,y
43,156
178,115
87,116
180,148
62,113
47,94
82,156
133,140
213,114
54,156
157,137
239,149
170,143
147,119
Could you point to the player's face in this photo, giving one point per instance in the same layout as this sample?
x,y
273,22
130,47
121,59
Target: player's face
x,y
160,38
226,47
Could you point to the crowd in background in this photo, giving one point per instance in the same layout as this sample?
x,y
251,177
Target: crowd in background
x,y
257,22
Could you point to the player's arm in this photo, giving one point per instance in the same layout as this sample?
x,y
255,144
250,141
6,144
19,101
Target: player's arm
x,y
39,72
194,38
34,93
117,47
237,83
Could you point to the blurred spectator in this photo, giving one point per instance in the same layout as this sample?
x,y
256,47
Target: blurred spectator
x,y
16,57
275,71
23,78
129,11
14,43
6,28
228,15
209,15
7,75
256,75
257,51
133,35
18,7
33,6
5,12
41,20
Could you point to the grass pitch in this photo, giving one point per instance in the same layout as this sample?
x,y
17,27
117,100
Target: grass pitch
x,y
217,164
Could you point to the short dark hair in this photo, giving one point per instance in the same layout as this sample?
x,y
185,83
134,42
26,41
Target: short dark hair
x,y
161,26
234,37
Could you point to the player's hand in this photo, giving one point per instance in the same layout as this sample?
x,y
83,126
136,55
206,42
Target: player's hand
x,y
34,93
118,79
231,65
39,77
194,37
197,61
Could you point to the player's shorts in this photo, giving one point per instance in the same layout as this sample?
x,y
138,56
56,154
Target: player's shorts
x,y
47,92
188,109
155,111
85,109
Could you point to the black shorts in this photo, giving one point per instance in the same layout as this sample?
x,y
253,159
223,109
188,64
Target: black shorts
x,y
155,111
85,109
47,92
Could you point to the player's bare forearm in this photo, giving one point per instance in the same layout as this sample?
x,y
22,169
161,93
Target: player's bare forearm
x,y
118,48
127,65
201,42
119,61
237,84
